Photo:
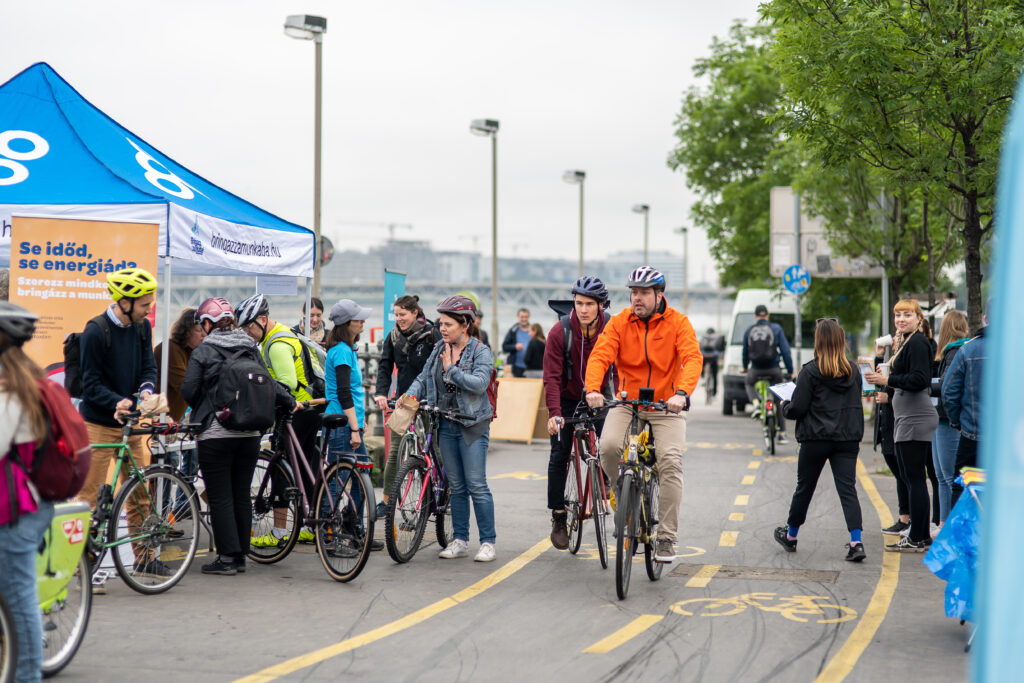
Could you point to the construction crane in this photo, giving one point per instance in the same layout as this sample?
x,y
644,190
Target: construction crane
x,y
391,227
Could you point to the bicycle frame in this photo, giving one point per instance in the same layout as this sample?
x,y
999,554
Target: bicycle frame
x,y
438,477
585,431
105,496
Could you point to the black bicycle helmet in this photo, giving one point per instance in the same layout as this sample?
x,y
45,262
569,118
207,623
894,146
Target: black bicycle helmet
x,y
250,309
458,305
17,323
591,287
645,276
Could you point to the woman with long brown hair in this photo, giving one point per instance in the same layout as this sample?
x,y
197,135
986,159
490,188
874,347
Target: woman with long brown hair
x,y
953,333
186,334
24,516
829,427
910,372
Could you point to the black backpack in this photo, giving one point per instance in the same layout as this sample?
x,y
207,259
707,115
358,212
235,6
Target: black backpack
x,y
761,345
244,398
73,353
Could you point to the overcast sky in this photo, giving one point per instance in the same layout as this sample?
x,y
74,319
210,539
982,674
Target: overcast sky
x,y
593,85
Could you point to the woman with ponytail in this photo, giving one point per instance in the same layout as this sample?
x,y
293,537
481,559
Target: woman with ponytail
x,y
24,516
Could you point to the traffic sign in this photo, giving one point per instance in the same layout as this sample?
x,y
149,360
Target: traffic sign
x,y
797,279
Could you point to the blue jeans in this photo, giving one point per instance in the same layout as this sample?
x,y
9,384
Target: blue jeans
x,y
341,442
944,445
466,468
19,542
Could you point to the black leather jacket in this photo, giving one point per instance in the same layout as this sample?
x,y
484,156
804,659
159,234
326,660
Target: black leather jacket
x,y
826,408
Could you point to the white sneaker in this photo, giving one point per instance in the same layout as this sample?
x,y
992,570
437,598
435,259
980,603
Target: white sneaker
x,y
485,554
457,548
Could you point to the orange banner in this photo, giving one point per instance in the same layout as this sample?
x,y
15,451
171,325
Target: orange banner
x,y
59,271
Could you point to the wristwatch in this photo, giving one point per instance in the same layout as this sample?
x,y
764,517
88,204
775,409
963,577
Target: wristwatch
x,y
680,392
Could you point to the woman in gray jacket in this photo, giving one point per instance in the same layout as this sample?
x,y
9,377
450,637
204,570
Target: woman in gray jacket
x,y
455,377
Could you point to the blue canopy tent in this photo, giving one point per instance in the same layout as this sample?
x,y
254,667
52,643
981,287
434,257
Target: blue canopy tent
x,y
60,156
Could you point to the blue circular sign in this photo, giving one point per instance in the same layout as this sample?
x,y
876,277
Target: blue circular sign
x,y
797,279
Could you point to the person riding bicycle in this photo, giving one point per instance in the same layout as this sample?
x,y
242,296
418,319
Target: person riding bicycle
x,y
764,343
117,362
24,515
711,347
655,346
226,456
565,366
282,353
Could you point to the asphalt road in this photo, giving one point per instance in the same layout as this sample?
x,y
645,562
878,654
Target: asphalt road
x,y
541,614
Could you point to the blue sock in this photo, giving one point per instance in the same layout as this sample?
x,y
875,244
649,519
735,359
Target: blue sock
x,y
793,530
854,536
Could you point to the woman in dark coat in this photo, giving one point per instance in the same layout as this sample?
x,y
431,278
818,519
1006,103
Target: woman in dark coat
x,y
829,426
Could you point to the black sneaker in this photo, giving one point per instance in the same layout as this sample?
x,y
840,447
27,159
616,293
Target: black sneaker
x,y
381,511
896,528
856,552
376,545
240,564
780,536
154,569
220,567
905,545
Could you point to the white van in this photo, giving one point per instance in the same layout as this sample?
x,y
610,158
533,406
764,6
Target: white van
x,y
781,310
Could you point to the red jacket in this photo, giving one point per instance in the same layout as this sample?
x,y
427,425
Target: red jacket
x,y
557,385
662,353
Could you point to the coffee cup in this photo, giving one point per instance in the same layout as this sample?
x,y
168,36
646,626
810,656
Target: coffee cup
x,y
884,341
883,369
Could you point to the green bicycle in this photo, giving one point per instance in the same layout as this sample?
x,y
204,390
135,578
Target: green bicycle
x,y
151,526
769,418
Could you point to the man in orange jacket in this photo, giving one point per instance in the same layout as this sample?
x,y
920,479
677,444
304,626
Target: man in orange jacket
x,y
652,346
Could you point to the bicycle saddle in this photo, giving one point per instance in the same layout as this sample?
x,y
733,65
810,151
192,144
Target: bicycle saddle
x,y
334,420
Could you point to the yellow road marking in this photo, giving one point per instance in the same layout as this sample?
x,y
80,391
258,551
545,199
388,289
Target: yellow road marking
x,y
840,666
419,616
747,480
742,499
703,576
753,464
756,451
728,538
525,476
735,516
626,633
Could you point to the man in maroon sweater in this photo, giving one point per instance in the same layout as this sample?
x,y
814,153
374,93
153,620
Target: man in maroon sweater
x,y
563,387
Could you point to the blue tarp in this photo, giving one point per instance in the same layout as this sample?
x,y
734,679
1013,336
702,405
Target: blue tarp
x,y
60,155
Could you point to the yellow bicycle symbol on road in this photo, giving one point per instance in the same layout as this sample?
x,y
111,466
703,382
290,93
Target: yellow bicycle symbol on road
x,y
794,608
588,551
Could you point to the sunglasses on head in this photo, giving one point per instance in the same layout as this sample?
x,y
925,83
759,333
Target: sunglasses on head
x,y
821,320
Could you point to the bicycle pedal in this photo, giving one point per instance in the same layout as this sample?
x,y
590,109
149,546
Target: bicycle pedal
x,y
100,577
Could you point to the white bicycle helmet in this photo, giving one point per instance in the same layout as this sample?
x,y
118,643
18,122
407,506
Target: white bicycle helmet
x,y
645,276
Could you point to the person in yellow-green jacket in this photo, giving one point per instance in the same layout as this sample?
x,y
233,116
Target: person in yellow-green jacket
x,y
282,351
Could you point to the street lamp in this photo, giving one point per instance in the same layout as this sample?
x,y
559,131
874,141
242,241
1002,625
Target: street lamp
x,y
577,178
686,269
489,128
645,210
310,27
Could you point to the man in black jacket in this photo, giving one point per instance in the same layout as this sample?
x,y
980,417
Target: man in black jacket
x,y
516,341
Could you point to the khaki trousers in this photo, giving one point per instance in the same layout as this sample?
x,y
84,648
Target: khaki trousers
x,y
103,469
669,441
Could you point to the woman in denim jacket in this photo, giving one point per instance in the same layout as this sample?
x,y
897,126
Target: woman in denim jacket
x,y
455,377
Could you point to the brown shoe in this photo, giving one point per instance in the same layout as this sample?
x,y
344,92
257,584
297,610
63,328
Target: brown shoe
x,y
559,533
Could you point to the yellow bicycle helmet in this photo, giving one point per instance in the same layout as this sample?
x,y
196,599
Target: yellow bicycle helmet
x,y
130,283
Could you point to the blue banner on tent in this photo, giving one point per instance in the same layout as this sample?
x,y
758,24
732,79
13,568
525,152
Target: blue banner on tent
x,y
394,287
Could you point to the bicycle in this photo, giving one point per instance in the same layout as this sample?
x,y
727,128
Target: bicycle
x,y
342,509
636,511
420,490
708,383
411,442
769,418
591,496
154,548
184,461
64,585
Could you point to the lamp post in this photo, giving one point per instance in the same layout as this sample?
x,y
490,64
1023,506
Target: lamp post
x,y
310,27
645,210
577,178
489,128
686,269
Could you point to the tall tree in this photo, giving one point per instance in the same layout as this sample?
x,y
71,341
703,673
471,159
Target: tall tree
x,y
917,89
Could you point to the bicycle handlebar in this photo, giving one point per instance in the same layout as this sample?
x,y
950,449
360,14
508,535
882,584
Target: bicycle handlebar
x,y
166,429
442,412
637,404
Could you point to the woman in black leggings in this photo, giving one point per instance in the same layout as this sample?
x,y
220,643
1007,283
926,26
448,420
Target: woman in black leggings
x,y
916,419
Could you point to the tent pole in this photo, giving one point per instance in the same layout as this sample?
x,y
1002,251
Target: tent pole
x,y
165,348
309,303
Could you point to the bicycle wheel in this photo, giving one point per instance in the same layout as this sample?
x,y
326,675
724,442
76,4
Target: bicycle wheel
x,y
626,518
406,447
443,517
771,432
573,506
342,509
65,621
274,499
165,538
598,512
8,643
408,510
651,491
